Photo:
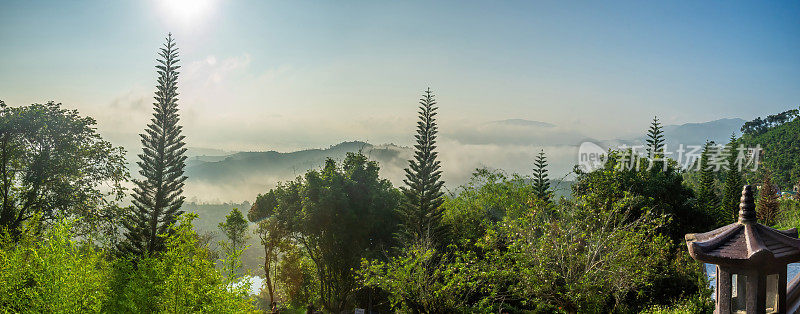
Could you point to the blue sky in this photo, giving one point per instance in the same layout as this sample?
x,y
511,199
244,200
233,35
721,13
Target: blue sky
x,y
298,74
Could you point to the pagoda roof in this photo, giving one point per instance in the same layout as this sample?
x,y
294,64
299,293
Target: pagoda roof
x,y
745,242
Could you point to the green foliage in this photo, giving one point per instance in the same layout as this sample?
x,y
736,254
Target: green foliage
x,y
540,181
420,211
484,201
52,274
781,151
235,229
707,199
588,260
788,214
760,126
275,239
53,163
180,279
421,280
157,199
207,227
694,305
733,185
511,253
338,215
655,140
297,278
663,192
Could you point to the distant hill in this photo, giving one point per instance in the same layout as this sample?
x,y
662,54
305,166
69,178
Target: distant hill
x,y
506,144
515,132
203,151
718,131
242,176
689,134
202,159
523,122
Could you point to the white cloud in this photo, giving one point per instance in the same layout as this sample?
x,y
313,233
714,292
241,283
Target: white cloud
x,y
201,74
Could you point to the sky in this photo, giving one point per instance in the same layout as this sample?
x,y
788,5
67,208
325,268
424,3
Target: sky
x,y
287,75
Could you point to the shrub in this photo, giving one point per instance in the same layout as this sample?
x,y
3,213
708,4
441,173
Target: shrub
x,y
182,279
694,305
51,273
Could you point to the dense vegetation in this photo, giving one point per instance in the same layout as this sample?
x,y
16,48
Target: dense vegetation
x,y
781,152
52,272
54,164
341,237
616,245
759,126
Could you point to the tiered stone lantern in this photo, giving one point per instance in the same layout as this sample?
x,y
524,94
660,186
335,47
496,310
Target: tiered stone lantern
x,y
751,261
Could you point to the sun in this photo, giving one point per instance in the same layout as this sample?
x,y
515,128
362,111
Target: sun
x,y
186,12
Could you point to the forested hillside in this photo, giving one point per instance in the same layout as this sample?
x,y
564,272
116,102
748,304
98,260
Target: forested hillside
x,y
781,151
241,176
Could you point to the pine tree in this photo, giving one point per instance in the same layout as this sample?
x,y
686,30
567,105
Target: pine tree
x,y
655,139
655,145
157,198
768,205
733,183
421,209
541,184
706,198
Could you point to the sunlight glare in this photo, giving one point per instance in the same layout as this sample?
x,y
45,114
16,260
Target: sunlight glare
x,y
186,12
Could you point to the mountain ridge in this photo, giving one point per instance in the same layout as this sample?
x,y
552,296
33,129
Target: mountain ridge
x,y
243,175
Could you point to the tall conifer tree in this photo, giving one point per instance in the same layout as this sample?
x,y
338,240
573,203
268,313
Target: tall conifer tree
x,y
733,183
421,209
157,198
655,138
541,184
768,205
655,145
706,198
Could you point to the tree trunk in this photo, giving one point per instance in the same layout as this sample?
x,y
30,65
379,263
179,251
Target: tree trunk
x,y
268,276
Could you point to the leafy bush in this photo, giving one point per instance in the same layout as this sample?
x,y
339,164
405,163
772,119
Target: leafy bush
x,y
51,274
180,280
422,280
588,260
789,214
692,305
514,253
